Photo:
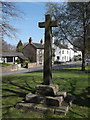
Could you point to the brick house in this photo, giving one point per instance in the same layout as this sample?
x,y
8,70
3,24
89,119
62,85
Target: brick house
x,y
34,51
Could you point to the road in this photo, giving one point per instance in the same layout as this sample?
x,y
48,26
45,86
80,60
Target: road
x,y
68,65
62,66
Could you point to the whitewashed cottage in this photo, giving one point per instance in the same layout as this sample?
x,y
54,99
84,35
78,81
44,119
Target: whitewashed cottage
x,y
65,53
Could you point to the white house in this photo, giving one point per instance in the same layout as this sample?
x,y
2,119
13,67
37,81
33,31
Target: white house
x,y
65,53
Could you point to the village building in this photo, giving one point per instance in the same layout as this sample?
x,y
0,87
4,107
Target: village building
x,y
64,53
11,57
34,51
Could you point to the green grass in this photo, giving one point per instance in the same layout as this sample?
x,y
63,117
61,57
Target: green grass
x,y
15,87
4,64
87,67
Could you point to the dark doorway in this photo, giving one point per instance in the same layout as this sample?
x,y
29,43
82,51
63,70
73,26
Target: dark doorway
x,y
9,59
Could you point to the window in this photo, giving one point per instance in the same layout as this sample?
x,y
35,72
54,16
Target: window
x,y
62,58
58,57
65,58
40,59
40,51
62,51
67,51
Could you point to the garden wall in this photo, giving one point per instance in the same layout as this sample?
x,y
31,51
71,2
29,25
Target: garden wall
x,y
9,68
33,65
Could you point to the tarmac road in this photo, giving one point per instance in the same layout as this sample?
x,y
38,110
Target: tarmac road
x,y
68,65
59,66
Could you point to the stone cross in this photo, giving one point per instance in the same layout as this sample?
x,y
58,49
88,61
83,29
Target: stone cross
x,y
48,24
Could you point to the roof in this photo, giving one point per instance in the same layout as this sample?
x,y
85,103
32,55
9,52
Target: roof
x,y
38,45
62,46
13,54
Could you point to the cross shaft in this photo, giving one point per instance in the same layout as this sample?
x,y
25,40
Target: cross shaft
x,y
48,24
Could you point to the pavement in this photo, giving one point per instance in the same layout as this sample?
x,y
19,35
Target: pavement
x,y
40,68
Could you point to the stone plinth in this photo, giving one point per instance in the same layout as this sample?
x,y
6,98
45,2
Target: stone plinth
x,y
51,101
47,90
42,108
47,99
34,98
62,93
54,101
31,98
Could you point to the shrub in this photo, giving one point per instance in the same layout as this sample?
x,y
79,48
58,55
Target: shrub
x,y
75,58
31,59
18,61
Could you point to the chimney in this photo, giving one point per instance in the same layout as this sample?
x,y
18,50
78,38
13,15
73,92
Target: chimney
x,y
30,40
41,41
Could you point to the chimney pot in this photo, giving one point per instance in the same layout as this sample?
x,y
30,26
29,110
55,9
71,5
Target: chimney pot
x,y
41,41
30,40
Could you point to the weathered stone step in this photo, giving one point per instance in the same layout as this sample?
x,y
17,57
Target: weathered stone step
x,y
62,93
54,101
48,100
42,108
47,90
34,98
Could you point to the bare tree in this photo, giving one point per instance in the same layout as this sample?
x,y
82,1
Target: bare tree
x,y
7,47
73,22
8,11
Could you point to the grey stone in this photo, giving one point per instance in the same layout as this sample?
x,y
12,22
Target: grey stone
x,y
35,107
41,99
63,109
31,98
54,101
34,98
47,90
64,106
62,93
60,112
48,24
42,108
25,105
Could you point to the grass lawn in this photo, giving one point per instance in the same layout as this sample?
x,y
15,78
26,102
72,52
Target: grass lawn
x,y
15,87
4,64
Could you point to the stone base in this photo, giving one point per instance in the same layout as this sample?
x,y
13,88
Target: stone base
x,y
62,93
47,90
43,108
34,98
47,99
54,101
